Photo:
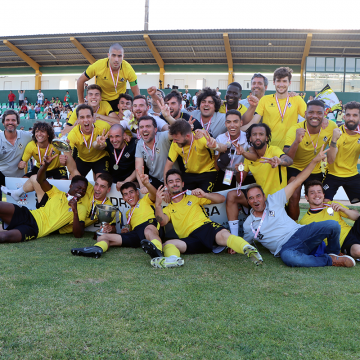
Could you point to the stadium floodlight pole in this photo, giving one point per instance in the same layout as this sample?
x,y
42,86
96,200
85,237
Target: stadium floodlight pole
x,y
146,23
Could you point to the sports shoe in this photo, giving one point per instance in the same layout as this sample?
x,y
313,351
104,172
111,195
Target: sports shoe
x,y
342,261
253,254
166,262
92,251
151,249
11,193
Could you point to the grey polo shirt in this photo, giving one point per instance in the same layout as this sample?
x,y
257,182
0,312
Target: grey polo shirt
x,y
10,155
217,125
245,102
277,227
162,146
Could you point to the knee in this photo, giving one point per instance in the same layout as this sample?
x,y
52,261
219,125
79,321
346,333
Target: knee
x,y
230,197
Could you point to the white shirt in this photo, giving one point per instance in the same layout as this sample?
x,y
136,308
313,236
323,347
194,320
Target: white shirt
x,y
57,126
40,96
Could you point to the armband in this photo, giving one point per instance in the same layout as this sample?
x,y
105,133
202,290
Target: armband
x,y
133,83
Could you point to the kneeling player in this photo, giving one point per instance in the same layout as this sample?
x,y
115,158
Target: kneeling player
x,y
196,231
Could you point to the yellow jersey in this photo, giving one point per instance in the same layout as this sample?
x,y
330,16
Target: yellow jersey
x,y
268,109
242,109
101,70
345,164
200,160
143,211
56,213
270,179
31,150
76,139
104,109
306,149
317,216
187,215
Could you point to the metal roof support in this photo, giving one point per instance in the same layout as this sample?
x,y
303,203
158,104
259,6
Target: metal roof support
x,y
305,55
157,57
229,58
85,53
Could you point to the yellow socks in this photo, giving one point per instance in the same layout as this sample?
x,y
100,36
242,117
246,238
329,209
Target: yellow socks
x,y
157,243
171,250
236,243
103,245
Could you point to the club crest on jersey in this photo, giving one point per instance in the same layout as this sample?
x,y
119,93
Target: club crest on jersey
x,y
325,139
326,186
157,150
127,155
20,146
272,213
289,105
70,210
137,205
189,203
358,140
122,79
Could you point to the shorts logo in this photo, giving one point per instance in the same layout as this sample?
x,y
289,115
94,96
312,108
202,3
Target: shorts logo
x,y
151,221
325,139
127,155
27,238
272,213
189,203
326,186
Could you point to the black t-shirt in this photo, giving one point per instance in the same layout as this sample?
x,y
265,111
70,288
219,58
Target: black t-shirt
x,y
186,117
126,163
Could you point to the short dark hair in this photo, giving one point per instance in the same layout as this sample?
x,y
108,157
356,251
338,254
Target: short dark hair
x,y
148,117
311,183
181,127
175,94
233,112
78,178
43,126
94,87
11,112
259,75
253,186
316,103
283,72
126,96
141,97
236,84
83,107
127,185
253,126
206,92
352,105
106,177
172,172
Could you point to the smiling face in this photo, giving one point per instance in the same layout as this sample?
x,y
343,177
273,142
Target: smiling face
x,y
352,118
174,107
116,137
181,140
258,87
140,108
101,189
10,123
124,104
86,121
207,107
315,196
41,136
94,98
174,184
130,195
147,130
233,124
282,85
233,95
314,115
256,199
78,189
116,57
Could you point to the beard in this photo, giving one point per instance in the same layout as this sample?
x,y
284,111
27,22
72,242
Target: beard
x,y
351,126
258,147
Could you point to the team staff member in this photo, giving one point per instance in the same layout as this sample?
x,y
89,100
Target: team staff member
x,y
197,157
143,225
197,233
111,75
278,110
82,137
303,141
343,156
233,96
269,171
259,84
332,210
122,155
23,224
40,146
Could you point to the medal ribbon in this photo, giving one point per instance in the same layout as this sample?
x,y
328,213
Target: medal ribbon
x,y
238,190
207,126
131,213
321,208
315,146
152,157
39,153
355,131
182,193
91,138
112,76
282,114
192,140
117,160
258,229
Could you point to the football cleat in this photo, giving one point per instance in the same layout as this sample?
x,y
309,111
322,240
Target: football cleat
x,y
253,254
166,262
92,251
151,249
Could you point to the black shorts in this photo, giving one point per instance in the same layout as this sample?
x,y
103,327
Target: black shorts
x,y
133,238
352,238
114,104
205,181
350,184
23,221
58,173
295,172
155,182
219,186
202,239
99,166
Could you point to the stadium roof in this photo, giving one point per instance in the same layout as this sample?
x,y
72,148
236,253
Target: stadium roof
x,y
246,46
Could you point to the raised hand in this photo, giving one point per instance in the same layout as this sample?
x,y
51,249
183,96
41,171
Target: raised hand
x,y
293,94
143,177
321,155
300,133
253,100
210,141
199,133
160,195
63,159
101,139
336,135
239,149
274,161
22,165
151,91
165,110
47,159
198,193
191,122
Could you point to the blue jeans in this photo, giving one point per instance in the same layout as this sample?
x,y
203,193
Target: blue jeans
x,y
11,104
296,251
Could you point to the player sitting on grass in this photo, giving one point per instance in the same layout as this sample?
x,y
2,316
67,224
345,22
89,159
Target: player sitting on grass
x,y
197,233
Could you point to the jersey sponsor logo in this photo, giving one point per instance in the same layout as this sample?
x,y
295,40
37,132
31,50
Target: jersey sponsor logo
x,y
189,203
272,213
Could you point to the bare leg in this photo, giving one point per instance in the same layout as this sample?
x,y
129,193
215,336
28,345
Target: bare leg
x,y
151,233
111,239
36,186
232,202
11,236
355,251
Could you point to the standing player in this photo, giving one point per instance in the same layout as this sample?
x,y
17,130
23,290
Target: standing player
x,y
111,75
233,96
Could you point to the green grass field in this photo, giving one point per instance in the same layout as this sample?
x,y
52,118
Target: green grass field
x,y
58,306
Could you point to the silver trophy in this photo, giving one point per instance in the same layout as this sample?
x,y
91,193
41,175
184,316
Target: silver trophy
x,y
61,144
105,214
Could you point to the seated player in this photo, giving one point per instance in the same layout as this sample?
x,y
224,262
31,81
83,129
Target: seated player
x,y
197,233
122,155
144,229
40,146
22,224
332,210
82,137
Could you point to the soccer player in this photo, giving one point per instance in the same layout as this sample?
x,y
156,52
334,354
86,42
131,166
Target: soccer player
x,y
278,110
302,143
111,75
232,96
269,171
125,103
343,156
82,137
144,229
197,233
63,208
197,157
122,155
333,210
269,224
40,146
